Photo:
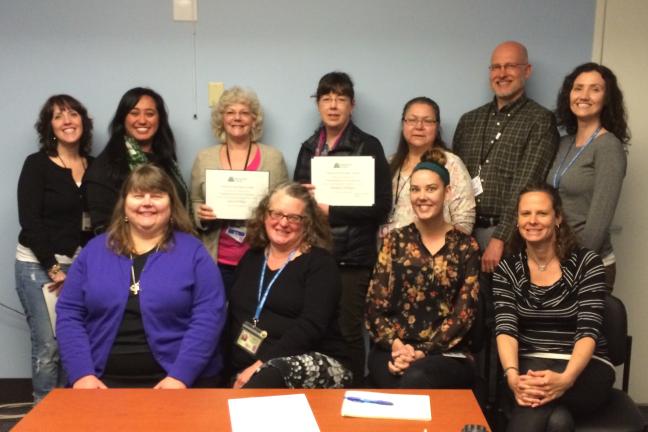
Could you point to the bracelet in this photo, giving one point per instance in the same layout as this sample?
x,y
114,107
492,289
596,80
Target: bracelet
x,y
54,270
509,368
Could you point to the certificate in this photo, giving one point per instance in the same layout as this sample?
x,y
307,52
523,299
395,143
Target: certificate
x,y
234,194
343,180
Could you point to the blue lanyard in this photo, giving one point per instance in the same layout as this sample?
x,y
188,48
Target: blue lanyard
x,y
558,175
263,294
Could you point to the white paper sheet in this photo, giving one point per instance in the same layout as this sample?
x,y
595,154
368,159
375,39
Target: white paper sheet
x,y
405,407
286,413
50,301
234,194
343,180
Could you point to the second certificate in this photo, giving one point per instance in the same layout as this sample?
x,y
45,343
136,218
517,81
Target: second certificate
x,y
343,180
234,194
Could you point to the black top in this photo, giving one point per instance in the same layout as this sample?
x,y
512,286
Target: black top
x,y
301,311
50,209
354,228
130,354
101,186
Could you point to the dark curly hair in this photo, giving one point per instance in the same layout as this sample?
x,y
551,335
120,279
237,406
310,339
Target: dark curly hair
x,y
315,224
566,240
163,145
613,115
44,124
402,149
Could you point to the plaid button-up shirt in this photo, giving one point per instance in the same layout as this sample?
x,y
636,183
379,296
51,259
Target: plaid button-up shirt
x,y
513,146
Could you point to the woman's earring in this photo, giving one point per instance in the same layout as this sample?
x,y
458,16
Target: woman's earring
x,y
126,219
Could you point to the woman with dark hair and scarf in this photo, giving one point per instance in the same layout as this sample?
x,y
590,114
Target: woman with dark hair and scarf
x,y
139,133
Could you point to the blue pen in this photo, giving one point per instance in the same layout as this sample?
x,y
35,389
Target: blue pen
x,y
363,400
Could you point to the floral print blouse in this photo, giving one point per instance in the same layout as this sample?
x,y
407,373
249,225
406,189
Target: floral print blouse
x,y
428,301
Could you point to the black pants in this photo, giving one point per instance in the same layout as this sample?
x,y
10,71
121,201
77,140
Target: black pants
x,y
434,371
227,272
590,391
355,281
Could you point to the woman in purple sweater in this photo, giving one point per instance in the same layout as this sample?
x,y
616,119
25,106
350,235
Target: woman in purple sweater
x,y
143,305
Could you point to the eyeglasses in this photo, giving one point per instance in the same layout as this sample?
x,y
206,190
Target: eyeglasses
x,y
291,218
242,114
415,121
337,99
508,67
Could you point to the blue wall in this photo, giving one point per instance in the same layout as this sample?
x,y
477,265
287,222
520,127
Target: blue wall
x,y
97,49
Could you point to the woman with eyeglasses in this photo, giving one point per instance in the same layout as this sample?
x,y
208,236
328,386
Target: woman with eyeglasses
x,y
591,161
284,305
421,131
237,121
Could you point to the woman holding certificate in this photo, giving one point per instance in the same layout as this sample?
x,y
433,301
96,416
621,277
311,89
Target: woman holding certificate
x,y
421,131
143,304
237,121
284,305
422,298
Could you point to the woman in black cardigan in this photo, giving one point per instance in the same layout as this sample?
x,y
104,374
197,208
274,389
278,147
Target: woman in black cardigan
x,y
284,303
52,224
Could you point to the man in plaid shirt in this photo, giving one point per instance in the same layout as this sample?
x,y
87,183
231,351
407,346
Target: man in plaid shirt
x,y
505,144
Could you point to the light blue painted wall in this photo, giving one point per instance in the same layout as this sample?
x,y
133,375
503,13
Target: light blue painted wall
x,y
97,49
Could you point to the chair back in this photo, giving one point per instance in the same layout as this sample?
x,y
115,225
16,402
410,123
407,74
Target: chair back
x,y
615,329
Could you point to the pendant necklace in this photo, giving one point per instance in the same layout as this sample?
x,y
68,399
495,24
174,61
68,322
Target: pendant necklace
x,y
134,288
135,284
542,267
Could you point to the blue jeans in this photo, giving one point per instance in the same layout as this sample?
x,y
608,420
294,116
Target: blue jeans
x,y
46,365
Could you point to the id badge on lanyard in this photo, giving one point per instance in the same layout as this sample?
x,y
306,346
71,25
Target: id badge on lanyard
x,y
251,336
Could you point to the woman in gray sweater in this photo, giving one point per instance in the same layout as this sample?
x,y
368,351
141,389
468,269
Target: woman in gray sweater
x,y
591,161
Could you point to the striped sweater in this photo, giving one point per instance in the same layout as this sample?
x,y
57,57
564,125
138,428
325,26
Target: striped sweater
x,y
551,319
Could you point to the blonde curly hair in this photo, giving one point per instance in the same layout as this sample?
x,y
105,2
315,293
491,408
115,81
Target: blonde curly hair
x,y
231,96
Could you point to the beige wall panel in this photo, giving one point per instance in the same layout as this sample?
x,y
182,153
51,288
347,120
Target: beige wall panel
x,y
621,42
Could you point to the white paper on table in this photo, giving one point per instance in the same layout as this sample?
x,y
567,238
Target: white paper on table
x,y
50,301
285,413
234,194
405,407
343,180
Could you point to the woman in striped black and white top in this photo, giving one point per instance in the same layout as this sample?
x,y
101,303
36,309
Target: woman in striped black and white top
x,y
549,299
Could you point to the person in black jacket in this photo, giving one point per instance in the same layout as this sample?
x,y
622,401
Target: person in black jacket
x,y
139,133
50,211
354,228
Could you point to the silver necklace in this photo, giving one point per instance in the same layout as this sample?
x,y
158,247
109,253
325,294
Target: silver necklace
x,y
135,284
541,267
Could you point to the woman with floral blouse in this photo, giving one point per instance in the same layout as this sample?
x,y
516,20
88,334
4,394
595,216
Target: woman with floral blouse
x,y
422,298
